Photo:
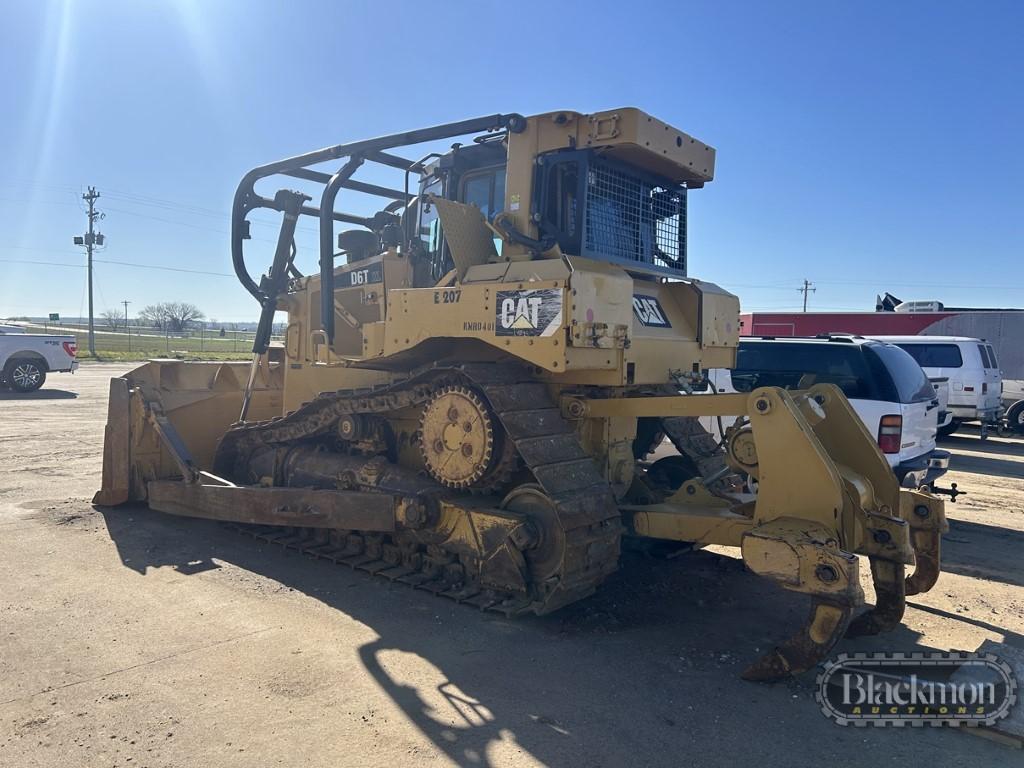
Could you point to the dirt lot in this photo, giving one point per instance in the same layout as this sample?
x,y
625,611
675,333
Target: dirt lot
x,y
130,638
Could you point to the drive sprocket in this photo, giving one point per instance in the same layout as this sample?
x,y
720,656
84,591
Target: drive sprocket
x,y
461,440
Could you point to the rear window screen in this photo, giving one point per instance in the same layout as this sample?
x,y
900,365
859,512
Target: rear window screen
x,y
912,385
934,355
992,356
986,362
799,366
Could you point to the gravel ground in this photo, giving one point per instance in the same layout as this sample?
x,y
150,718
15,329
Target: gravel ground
x,y
131,638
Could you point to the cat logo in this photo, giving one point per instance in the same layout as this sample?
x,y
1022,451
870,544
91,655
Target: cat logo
x,y
649,312
522,314
528,313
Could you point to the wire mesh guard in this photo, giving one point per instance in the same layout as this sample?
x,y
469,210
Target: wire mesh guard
x,y
631,219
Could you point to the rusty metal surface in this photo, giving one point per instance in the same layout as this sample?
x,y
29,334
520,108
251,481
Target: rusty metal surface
x,y
925,513
275,506
825,626
890,600
927,571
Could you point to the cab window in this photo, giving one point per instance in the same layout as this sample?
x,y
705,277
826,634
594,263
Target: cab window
x,y
486,190
437,262
934,355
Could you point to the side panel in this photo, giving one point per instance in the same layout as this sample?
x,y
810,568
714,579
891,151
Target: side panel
x,y
600,307
679,325
524,319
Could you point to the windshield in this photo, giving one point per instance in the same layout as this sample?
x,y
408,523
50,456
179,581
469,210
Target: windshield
x,y
909,380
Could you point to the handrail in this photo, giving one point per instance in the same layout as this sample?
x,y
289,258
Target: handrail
x,y
371,150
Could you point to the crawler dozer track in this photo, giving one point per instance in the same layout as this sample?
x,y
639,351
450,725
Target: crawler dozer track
x,y
584,518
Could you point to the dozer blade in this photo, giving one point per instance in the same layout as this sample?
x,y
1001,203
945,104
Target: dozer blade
x,y
115,488
193,403
301,507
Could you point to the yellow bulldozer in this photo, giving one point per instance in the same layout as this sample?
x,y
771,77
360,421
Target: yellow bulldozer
x,y
472,382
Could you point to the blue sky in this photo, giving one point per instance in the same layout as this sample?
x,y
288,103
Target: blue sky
x,y
863,146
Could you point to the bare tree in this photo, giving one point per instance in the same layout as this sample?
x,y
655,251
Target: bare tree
x,y
171,315
113,318
151,315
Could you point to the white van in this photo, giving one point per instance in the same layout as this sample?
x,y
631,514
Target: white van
x,y
887,389
975,382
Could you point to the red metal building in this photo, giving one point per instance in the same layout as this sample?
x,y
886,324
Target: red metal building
x,y
863,323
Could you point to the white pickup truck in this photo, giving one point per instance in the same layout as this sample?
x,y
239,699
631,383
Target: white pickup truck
x,y
26,358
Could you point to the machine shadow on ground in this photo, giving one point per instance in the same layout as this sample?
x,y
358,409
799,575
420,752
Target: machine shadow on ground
x,y
984,551
1011,445
645,668
985,465
39,394
979,456
1009,637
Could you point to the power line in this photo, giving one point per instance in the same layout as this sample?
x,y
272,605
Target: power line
x,y
165,205
165,269
118,263
727,283
44,263
174,222
181,223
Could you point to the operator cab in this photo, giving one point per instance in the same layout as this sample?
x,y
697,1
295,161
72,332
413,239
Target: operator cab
x,y
472,174
587,202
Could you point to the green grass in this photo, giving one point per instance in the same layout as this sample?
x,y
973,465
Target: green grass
x,y
112,346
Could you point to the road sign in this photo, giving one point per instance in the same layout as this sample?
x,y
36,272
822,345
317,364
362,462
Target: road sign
x,y
54,317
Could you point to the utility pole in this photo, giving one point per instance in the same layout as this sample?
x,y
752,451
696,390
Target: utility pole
x,y
126,328
90,240
805,289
